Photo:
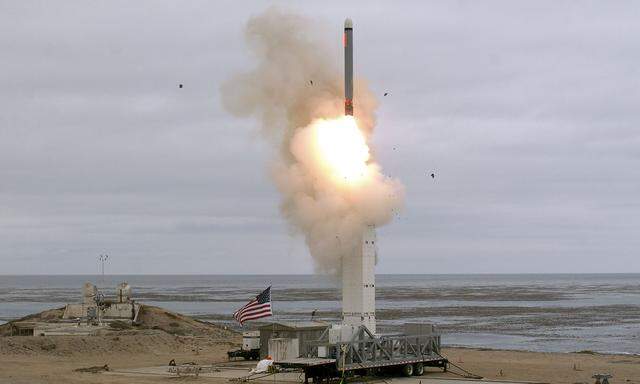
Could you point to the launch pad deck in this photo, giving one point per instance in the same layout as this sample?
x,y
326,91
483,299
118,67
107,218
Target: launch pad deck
x,y
302,362
308,362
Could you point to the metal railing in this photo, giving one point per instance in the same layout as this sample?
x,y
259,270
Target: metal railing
x,y
366,350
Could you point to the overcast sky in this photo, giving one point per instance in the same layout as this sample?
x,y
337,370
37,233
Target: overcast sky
x,y
527,112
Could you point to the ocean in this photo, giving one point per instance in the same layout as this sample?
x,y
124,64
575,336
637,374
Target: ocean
x,y
551,312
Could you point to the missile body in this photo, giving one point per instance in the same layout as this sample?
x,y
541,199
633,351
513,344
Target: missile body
x,y
348,67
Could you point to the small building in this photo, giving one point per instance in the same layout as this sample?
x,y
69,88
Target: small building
x,y
88,317
22,328
94,305
302,331
40,328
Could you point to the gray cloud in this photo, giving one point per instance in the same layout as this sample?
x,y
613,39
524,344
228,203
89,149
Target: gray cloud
x,y
526,111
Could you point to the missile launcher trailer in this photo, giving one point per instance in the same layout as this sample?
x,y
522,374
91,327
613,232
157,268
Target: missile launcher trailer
x,y
367,354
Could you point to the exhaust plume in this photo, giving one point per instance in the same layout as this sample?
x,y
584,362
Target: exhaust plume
x,y
331,187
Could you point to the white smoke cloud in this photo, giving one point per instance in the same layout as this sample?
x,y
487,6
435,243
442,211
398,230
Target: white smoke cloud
x,y
278,91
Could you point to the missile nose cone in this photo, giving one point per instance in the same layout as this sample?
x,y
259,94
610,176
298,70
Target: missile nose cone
x,y
348,23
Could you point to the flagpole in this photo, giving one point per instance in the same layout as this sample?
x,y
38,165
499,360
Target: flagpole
x,y
273,323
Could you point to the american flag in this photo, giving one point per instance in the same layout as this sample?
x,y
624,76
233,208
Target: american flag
x,y
255,309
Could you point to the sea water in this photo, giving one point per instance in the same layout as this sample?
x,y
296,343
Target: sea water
x,y
556,312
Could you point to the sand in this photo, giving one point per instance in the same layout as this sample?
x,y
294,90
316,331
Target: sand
x,y
160,337
545,367
24,360
33,360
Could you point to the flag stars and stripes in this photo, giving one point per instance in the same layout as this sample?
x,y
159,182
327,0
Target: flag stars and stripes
x,y
255,309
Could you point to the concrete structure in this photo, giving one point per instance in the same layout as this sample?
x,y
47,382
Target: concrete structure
x,y
358,286
107,311
123,292
85,318
89,293
95,306
38,328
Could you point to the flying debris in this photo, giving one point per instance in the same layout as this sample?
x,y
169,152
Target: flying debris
x,y
311,82
433,175
386,93
180,86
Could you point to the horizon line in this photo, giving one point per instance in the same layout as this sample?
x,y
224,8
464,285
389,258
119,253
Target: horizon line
x,y
317,274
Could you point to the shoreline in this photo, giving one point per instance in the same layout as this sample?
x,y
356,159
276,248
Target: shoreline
x,y
482,348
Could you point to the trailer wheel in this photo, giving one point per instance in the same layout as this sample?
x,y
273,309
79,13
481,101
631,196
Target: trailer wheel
x,y
407,370
418,369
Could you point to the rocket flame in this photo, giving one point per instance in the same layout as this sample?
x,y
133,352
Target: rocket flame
x,y
334,152
342,148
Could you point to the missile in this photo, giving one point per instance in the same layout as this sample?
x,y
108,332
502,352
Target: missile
x,y
347,39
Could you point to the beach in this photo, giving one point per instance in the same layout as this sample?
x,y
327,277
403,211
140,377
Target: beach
x,y
25,361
